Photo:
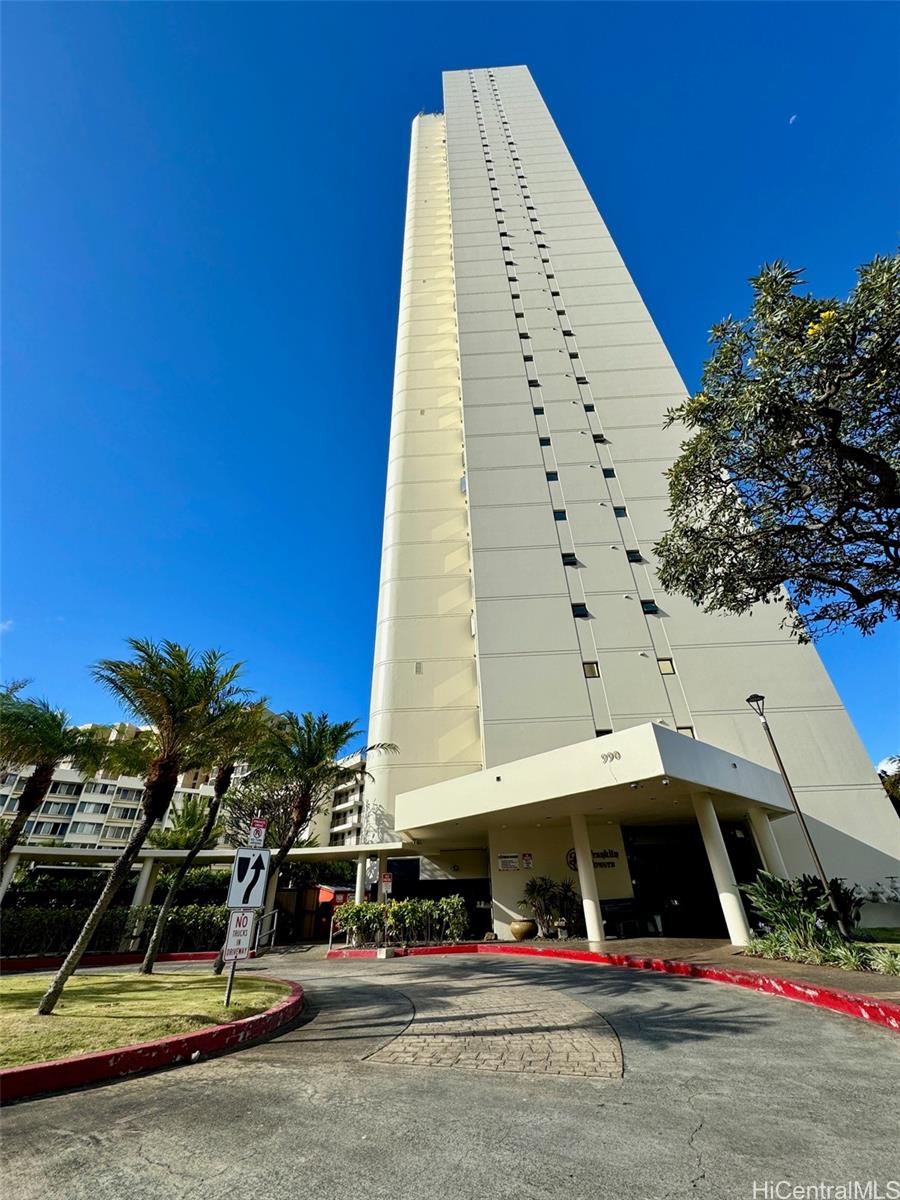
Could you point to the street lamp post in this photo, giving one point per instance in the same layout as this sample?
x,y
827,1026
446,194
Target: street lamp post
x,y
758,704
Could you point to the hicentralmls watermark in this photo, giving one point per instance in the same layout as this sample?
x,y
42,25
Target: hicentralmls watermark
x,y
850,1189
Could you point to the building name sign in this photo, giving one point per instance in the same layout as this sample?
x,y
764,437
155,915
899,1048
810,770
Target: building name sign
x,y
508,862
603,859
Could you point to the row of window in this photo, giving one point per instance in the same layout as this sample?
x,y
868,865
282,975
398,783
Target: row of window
x,y
591,667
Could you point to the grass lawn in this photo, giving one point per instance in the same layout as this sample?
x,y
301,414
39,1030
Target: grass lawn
x,y
881,937
100,1012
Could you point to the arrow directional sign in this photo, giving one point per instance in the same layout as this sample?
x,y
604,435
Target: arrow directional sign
x,y
249,873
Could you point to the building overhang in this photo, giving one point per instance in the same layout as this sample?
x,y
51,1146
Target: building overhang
x,y
219,854
644,775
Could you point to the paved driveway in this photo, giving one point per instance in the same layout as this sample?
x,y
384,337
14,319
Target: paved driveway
x,y
464,1077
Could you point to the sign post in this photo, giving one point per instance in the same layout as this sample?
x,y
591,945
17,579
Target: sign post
x,y
237,944
387,882
246,892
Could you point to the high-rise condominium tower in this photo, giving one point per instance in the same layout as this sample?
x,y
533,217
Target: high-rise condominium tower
x,y
519,611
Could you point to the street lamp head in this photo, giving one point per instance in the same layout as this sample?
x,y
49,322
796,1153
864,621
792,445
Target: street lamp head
x,y
757,703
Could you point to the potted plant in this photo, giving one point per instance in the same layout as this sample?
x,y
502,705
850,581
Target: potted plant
x,y
539,900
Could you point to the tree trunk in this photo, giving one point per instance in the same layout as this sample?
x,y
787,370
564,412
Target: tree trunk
x,y
117,876
280,855
162,779
222,784
36,788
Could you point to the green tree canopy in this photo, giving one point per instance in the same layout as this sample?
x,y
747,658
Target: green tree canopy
x,y
34,733
188,824
791,478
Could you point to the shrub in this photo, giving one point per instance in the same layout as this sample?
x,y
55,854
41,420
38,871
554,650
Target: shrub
x,y
851,956
800,909
884,959
54,930
550,901
403,921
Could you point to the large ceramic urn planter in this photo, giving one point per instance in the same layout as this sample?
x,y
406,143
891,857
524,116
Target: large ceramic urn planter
x,y
523,930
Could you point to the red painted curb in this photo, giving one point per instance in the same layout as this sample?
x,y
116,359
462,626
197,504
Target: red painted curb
x,y
63,1073
852,1004
52,961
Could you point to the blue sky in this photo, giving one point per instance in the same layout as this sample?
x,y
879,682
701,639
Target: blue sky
x,y
203,213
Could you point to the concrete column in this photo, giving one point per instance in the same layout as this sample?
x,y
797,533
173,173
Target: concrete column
x,y
360,894
587,881
143,889
726,884
8,871
143,894
382,867
769,850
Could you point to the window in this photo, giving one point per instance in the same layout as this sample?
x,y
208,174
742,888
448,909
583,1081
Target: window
x,y
84,827
524,336
116,832
552,476
559,514
544,441
602,732
528,358
619,510
93,806
57,809
589,408
518,314
687,730
580,378
552,293
538,412
591,670
634,556
569,559
666,666
48,828
123,814
580,610
609,473
600,439
65,789
649,606
534,383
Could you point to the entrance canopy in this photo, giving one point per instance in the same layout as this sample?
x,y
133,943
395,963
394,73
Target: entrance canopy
x,y
643,775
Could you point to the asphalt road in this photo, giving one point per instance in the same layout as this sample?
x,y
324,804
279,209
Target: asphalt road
x,y
711,1089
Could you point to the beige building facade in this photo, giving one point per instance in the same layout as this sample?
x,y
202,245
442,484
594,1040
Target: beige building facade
x,y
519,610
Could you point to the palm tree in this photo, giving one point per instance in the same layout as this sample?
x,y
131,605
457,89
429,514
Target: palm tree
x,y
301,761
186,698
188,827
235,739
33,732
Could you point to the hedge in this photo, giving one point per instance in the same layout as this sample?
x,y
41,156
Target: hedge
x,y
403,922
53,930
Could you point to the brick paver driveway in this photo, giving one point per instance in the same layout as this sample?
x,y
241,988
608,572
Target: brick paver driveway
x,y
655,1086
494,1027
